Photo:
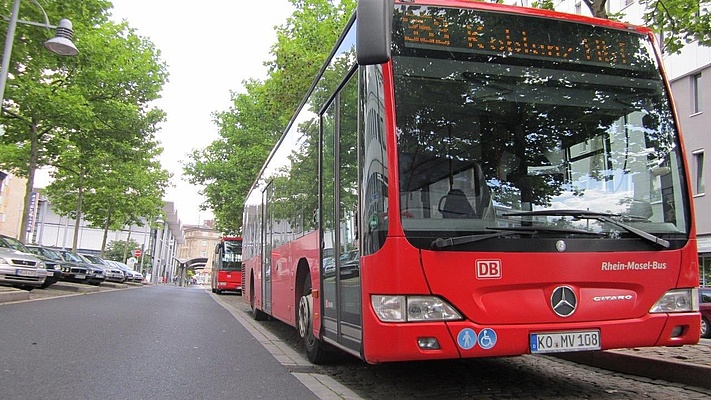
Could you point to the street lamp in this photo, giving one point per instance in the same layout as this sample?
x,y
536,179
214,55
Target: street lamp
x,y
156,251
61,44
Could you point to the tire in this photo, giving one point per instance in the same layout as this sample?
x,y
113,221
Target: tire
x,y
705,328
316,350
218,291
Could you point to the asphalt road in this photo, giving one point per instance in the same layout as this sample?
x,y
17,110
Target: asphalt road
x,y
160,342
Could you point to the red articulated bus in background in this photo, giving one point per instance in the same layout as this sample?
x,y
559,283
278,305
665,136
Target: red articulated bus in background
x,y
227,266
467,179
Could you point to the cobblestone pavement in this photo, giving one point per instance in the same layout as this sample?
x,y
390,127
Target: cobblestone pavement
x,y
689,365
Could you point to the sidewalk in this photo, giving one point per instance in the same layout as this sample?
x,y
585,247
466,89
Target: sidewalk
x,y
689,365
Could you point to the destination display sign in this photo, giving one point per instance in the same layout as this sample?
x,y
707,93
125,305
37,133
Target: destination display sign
x,y
514,35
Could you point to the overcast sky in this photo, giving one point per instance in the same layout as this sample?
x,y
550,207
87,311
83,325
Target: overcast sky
x,y
210,47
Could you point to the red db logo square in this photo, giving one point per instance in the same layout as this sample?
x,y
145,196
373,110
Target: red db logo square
x,y
488,269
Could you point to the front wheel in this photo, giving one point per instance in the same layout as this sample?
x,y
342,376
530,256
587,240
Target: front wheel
x,y
705,333
315,349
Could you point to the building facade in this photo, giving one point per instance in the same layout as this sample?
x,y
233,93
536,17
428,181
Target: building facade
x,y
200,242
12,195
159,240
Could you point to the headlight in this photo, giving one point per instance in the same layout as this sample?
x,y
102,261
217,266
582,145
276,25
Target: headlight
x,y
413,309
680,300
3,261
42,265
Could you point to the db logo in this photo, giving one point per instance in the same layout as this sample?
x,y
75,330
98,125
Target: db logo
x,y
488,269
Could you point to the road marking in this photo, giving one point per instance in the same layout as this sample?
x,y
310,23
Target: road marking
x,y
323,386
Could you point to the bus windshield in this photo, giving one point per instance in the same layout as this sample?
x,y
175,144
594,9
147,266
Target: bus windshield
x,y
231,256
497,129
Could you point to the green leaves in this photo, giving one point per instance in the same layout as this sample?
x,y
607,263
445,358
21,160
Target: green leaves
x,y
249,129
88,118
680,21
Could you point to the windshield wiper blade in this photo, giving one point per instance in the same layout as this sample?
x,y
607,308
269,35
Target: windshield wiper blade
x,y
441,243
604,217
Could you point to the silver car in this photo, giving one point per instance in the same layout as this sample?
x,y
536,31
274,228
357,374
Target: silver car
x,y
21,270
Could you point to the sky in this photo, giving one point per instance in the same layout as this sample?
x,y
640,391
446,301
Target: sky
x,y
210,48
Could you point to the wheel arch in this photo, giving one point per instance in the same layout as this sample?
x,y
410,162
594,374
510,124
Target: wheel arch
x,y
302,273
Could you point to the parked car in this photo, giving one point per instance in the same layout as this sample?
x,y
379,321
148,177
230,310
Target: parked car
x,y
21,270
54,272
705,307
70,271
131,275
94,274
113,274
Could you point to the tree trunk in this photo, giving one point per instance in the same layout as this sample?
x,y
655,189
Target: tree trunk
x,y
80,198
29,186
597,8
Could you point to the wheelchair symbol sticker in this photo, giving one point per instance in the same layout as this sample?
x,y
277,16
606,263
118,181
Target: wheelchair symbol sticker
x,y
487,338
467,338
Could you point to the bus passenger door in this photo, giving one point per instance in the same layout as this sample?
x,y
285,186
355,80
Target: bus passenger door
x,y
267,234
340,252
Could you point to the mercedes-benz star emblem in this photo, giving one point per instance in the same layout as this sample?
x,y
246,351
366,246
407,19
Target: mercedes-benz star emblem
x,y
563,301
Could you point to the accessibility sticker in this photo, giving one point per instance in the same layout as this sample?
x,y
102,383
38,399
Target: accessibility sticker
x,y
467,338
487,338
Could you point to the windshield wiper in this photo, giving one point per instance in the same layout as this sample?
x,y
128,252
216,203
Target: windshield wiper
x,y
603,217
441,243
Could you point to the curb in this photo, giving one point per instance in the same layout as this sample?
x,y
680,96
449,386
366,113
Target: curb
x,y
12,294
654,368
79,287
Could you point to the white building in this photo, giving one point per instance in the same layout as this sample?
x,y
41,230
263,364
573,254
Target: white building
x,y
51,230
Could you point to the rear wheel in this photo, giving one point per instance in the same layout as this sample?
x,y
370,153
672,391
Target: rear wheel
x,y
316,350
705,333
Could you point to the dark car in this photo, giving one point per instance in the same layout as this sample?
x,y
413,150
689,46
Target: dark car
x,y
54,272
70,271
705,307
94,275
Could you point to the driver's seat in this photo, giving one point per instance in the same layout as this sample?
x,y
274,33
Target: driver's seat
x,y
456,205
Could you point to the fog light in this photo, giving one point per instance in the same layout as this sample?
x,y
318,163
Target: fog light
x,y
678,331
428,343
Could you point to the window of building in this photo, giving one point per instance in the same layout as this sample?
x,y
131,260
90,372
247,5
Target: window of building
x,y
699,187
696,93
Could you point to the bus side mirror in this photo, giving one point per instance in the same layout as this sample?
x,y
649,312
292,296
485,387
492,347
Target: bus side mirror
x,y
373,31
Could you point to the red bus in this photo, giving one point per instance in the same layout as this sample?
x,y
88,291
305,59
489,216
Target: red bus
x,y
467,179
227,266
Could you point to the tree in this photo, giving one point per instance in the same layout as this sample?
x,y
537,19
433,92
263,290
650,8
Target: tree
x,y
249,129
680,21
116,249
59,111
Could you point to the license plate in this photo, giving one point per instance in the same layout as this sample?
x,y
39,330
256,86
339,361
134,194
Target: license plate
x,y
25,272
556,342
80,276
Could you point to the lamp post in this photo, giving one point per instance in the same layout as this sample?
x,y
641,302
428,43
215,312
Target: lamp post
x,y
156,253
61,44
